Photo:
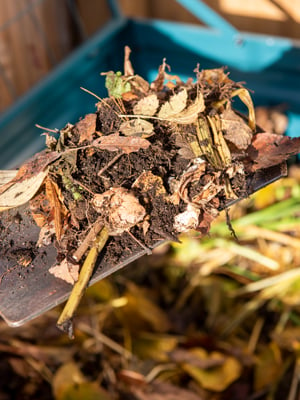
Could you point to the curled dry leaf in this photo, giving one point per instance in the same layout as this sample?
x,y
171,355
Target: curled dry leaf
x,y
114,142
86,127
32,167
66,270
245,97
174,106
147,105
128,68
190,114
59,210
137,127
120,209
158,84
29,178
22,191
235,129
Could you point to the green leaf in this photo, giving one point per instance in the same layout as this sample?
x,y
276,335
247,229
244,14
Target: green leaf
x,y
116,84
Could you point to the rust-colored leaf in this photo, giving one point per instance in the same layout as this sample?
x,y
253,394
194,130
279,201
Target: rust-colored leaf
x,y
86,127
60,211
269,149
115,142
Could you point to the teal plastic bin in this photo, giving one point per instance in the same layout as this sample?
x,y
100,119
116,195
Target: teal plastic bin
x,y
270,66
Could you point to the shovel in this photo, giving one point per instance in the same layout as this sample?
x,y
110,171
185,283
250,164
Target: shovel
x,y
28,290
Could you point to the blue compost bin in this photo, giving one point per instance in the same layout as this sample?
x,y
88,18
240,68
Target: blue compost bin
x,y
269,65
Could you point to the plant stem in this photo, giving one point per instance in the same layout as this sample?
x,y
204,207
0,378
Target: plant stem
x,y
64,322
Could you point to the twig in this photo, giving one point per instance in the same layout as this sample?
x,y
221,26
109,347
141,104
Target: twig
x,y
110,163
90,237
65,320
47,129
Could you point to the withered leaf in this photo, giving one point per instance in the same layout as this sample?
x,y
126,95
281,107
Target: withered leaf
x,y
148,181
235,129
174,106
66,271
57,206
190,114
86,127
128,69
31,168
158,83
245,97
129,96
147,105
21,191
121,209
268,149
114,142
137,127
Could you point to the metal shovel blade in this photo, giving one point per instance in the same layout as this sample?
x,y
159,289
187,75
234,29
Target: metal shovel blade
x,y
27,289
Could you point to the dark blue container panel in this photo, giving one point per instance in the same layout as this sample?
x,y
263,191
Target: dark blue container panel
x,y
269,66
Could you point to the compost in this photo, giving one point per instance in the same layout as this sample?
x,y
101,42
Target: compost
x,y
154,160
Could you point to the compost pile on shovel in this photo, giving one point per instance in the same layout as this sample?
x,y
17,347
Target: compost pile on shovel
x,y
154,160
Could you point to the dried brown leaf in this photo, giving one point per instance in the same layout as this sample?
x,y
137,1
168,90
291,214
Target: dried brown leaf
x,y
207,218
129,96
158,84
57,206
174,106
120,208
114,142
86,127
66,270
269,149
31,168
190,114
137,127
22,191
128,69
235,129
148,181
147,105
245,97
